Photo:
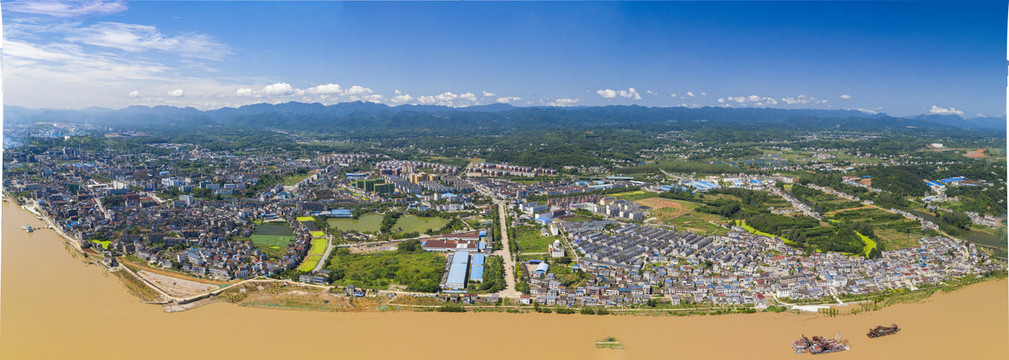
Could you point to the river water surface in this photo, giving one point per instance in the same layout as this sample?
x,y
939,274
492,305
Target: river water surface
x,y
53,306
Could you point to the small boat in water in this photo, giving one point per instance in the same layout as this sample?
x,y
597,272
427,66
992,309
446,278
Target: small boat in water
x,y
28,228
882,331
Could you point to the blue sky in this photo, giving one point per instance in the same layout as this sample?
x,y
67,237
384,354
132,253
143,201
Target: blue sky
x,y
901,58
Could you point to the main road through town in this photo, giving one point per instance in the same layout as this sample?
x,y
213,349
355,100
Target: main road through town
x,y
505,253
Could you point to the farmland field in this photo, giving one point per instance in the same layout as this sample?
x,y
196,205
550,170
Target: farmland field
x,y
310,262
410,223
366,223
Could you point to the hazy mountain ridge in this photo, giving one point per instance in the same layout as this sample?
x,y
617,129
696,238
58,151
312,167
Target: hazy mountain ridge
x,y
363,115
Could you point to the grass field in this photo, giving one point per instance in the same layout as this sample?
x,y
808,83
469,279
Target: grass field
x,y
633,195
418,271
893,240
306,218
366,223
700,223
318,234
410,223
103,243
575,218
273,229
531,241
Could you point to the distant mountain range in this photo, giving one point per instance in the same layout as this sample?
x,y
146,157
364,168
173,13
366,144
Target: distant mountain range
x,y
363,115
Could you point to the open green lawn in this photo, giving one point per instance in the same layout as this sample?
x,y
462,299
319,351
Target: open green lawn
x,y
273,229
410,223
366,223
418,271
576,218
103,243
700,223
272,240
633,195
531,241
274,252
893,240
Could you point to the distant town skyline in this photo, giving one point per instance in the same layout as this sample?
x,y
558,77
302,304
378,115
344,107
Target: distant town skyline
x,y
901,58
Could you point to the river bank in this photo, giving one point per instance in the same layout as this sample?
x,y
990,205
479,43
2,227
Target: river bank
x,y
49,297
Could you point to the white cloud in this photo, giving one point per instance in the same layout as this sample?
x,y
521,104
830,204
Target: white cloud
x,y
401,97
704,94
139,38
447,96
690,93
868,111
177,93
980,115
630,93
755,100
935,110
279,89
468,97
846,96
508,99
488,93
564,102
66,9
243,92
649,92
358,90
672,95
327,89
607,93
136,94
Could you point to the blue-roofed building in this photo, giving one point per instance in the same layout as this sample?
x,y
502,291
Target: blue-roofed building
x,y
478,259
456,279
340,213
542,268
701,185
476,273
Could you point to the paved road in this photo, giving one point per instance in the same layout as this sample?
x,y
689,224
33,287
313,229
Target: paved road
x,y
505,253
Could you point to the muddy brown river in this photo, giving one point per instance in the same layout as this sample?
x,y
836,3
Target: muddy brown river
x,y
53,306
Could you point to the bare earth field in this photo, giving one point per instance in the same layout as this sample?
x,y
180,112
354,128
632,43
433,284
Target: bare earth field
x,y
176,286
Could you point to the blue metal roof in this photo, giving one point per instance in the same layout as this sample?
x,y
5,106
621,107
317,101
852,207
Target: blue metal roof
x,y
476,272
478,259
457,271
